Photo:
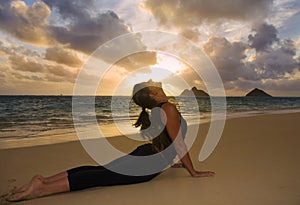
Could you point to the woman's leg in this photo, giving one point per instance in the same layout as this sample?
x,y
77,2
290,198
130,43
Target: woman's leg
x,y
81,178
38,187
55,177
99,176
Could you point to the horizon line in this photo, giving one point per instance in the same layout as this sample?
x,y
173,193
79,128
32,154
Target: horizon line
x,y
67,95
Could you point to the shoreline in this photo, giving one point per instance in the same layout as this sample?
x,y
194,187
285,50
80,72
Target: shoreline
x,y
256,161
58,136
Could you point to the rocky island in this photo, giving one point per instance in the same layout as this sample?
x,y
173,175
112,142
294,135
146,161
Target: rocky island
x,y
194,92
257,93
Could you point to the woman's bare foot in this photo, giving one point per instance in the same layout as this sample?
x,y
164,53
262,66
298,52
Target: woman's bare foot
x,y
30,191
26,186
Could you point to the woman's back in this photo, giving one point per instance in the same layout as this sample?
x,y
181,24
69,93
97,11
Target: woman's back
x,y
160,138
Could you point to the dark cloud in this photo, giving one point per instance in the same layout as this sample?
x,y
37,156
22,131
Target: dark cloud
x,y
278,61
265,35
188,13
269,60
87,30
73,9
23,22
87,34
228,57
79,27
274,57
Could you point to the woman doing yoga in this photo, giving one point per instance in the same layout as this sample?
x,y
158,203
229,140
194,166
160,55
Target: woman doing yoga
x,y
148,95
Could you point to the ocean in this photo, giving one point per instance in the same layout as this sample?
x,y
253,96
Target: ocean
x,y
30,120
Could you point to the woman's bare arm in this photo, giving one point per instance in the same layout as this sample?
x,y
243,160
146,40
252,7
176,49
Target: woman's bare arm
x,y
172,118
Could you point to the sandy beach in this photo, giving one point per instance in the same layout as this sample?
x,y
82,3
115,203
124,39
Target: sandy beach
x,y
256,161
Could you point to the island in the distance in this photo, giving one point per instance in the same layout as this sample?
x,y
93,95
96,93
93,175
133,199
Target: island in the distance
x,y
257,93
194,92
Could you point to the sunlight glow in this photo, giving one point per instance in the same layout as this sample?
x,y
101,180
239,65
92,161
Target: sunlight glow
x,y
166,66
168,62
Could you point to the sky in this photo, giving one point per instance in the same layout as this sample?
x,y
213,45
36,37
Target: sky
x,y
45,45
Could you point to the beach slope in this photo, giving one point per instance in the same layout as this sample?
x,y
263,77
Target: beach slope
x,y
256,161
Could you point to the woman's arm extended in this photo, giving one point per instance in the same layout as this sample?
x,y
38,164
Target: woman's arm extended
x,y
173,127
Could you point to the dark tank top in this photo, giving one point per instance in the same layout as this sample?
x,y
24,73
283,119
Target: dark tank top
x,y
163,140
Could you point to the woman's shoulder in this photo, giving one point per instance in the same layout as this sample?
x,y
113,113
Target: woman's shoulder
x,y
169,107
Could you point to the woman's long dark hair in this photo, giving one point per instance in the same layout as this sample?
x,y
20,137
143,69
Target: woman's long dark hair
x,y
141,97
143,120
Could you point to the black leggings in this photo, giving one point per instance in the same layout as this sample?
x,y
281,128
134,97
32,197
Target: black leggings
x,y
93,176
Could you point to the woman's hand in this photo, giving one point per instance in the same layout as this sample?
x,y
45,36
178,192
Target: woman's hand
x,y
203,174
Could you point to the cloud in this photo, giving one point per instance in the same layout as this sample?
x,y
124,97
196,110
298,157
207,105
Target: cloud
x,y
22,77
68,27
245,66
73,9
88,34
189,76
282,86
286,85
129,51
23,22
265,35
190,13
85,30
58,73
23,63
20,83
23,66
63,56
9,48
228,57
137,60
77,23
275,63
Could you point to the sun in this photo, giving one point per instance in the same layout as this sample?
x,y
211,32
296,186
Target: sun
x,y
165,67
169,62
164,70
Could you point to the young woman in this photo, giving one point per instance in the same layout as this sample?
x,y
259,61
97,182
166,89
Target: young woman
x,y
148,95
